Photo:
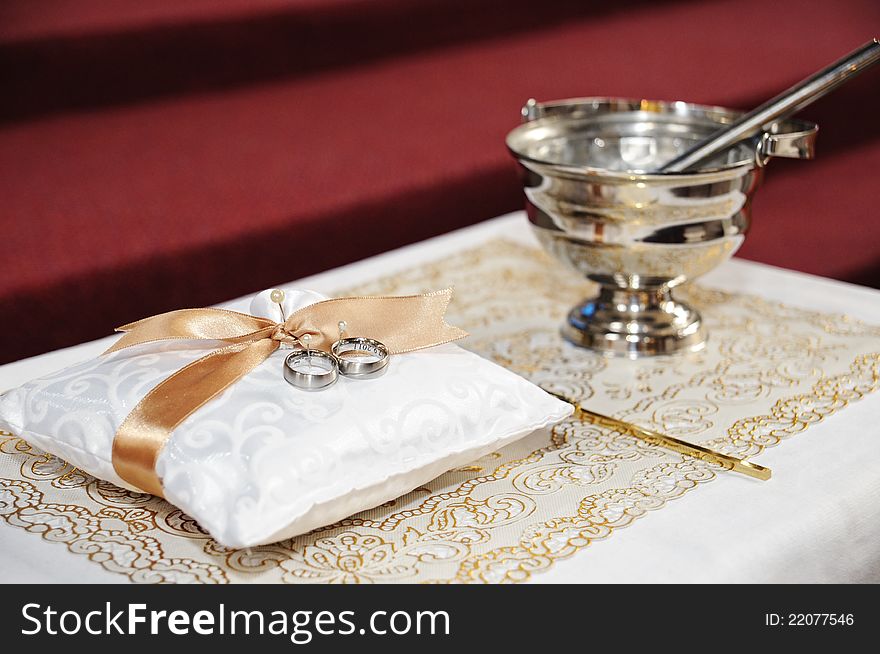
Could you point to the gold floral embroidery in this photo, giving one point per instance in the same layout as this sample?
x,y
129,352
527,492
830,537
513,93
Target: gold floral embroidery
x,y
514,512
348,557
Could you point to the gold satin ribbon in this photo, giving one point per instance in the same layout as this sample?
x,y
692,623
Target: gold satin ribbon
x,y
402,323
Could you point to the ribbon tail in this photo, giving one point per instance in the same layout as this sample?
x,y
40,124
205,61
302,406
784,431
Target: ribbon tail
x,y
403,323
144,432
201,324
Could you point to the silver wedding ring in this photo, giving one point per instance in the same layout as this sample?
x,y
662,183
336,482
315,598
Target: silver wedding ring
x,y
357,365
359,358
310,370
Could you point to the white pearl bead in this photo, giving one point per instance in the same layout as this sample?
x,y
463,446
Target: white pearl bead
x,y
264,305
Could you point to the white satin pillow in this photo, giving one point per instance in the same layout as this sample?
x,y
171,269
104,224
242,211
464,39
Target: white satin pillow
x,y
265,461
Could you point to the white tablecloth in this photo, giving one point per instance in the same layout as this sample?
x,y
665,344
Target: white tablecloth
x,y
817,520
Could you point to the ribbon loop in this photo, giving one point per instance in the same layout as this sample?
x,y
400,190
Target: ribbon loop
x,y
402,323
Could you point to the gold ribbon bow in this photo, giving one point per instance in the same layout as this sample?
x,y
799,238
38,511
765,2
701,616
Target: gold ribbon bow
x,y
402,323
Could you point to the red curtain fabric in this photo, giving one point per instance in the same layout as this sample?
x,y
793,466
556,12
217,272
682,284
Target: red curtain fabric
x,y
150,149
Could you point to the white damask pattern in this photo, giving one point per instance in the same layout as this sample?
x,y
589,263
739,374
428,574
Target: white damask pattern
x,y
265,461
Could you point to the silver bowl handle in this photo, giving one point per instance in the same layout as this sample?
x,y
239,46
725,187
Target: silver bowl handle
x,y
530,110
798,144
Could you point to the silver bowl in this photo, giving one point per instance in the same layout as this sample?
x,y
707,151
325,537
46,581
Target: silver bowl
x,y
638,234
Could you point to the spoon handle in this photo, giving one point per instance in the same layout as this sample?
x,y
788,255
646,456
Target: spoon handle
x,y
786,103
700,452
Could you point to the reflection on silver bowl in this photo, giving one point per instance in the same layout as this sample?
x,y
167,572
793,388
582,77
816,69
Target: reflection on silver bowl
x,y
595,206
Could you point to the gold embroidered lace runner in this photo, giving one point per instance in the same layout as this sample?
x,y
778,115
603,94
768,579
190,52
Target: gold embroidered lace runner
x,y
769,372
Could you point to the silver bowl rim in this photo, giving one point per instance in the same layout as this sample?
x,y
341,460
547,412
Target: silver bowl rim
x,y
794,126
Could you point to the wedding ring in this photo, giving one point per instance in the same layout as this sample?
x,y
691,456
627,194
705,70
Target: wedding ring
x,y
360,366
310,370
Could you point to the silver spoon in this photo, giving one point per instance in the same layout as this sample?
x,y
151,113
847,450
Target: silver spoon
x,y
786,103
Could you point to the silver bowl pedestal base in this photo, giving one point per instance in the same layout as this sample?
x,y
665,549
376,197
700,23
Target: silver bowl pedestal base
x,y
635,323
